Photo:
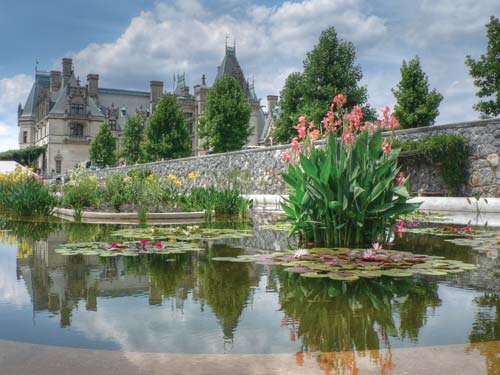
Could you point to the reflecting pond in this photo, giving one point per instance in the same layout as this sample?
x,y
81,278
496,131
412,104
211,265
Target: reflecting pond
x,y
189,303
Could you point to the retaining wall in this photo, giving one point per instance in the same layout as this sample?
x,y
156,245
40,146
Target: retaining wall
x,y
258,171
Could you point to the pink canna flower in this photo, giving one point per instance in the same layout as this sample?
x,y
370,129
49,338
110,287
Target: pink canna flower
x,y
311,125
301,130
339,100
302,120
286,156
296,146
400,179
393,122
386,147
315,134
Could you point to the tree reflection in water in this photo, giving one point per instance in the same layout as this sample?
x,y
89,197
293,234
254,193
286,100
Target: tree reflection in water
x,y
343,321
486,331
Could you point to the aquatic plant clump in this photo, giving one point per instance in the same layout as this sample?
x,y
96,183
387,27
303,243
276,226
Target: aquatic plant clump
x,y
134,248
353,264
187,233
348,192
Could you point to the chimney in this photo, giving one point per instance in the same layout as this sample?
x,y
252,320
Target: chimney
x,y
67,69
272,101
55,80
92,85
156,91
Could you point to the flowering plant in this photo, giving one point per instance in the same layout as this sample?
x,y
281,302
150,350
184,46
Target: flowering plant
x,y
347,192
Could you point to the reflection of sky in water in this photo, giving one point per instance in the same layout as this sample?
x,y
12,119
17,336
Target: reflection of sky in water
x,y
12,290
130,323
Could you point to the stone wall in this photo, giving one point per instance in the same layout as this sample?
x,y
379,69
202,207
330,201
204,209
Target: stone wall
x,y
257,171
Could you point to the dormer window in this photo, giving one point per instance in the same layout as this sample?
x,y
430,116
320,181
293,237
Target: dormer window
x,y
123,112
77,109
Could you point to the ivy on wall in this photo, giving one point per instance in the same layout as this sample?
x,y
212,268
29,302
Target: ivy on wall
x,y
448,151
25,156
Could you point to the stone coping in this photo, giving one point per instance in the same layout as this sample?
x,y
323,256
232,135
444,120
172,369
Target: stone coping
x,y
459,359
131,217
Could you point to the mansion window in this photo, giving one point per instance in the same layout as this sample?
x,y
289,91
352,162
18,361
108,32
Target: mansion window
x,y
112,124
25,136
77,109
76,130
58,166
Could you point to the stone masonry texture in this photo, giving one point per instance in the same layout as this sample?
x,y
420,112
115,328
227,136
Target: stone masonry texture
x,y
258,171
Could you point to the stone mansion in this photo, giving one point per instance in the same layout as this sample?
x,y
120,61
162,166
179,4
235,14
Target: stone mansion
x,y
65,114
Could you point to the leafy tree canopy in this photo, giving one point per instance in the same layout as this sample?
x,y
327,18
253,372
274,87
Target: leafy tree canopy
x,y
25,156
167,135
330,68
102,150
415,106
486,72
225,122
132,138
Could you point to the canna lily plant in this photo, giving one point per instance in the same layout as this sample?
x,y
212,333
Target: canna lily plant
x,y
349,192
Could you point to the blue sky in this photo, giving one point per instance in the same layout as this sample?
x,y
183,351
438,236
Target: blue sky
x,y
130,42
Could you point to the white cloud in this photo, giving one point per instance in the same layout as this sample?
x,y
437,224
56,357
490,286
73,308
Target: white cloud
x,y
186,36
13,90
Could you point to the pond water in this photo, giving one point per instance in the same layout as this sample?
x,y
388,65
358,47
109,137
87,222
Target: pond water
x,y
188,303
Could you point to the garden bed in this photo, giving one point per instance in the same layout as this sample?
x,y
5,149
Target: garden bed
x,y
131,217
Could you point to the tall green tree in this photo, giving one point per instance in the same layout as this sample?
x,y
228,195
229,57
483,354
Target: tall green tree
x,y
132,138
289,105
416,106
225,122
102,150
329,69
167,135
486,72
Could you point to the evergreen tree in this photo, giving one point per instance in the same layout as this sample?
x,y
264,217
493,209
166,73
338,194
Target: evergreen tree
x,y
225,122
415,105
486,72
102,150
132,138
167,135
329,69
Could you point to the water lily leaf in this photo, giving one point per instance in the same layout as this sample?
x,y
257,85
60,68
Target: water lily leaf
x,y
432,272
298,269
343,276
368,274
397,273
314,275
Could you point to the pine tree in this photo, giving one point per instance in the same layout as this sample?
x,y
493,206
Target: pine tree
x,y
225,122
415,106
486,72
167,135
102,150
132,138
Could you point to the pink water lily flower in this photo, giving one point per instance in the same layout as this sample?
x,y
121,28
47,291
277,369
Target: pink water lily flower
x,y
367,254
376,246
159,245
143,242
114,245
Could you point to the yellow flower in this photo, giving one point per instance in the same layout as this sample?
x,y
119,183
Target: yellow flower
x,y
178,183
172,177
192,175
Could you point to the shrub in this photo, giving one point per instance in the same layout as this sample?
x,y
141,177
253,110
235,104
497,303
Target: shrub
x,y
23,194
450,151
113,185
82,190
117,201
345,193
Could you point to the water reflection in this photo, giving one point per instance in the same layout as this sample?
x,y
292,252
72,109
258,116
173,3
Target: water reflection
x,y
189,303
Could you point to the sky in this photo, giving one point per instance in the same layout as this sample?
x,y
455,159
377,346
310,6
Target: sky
x,y
131,42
